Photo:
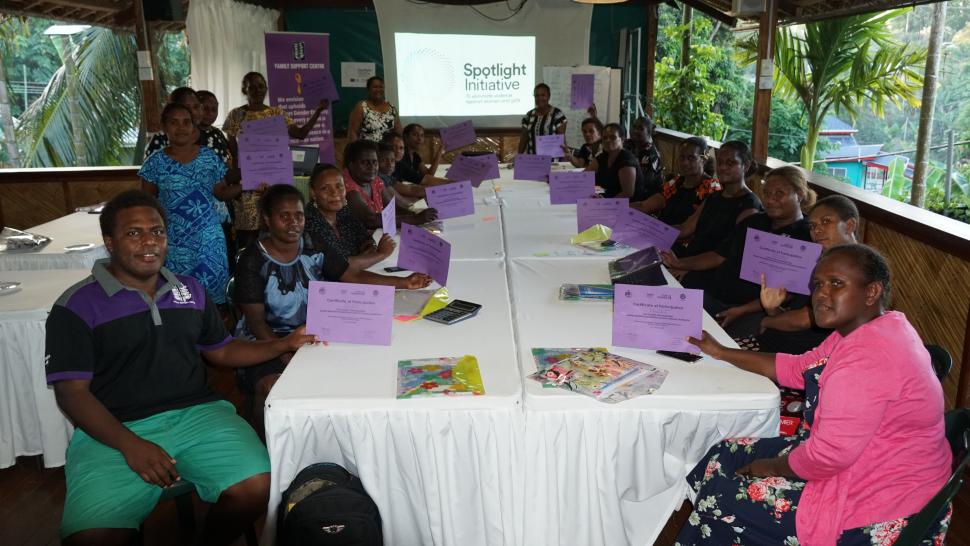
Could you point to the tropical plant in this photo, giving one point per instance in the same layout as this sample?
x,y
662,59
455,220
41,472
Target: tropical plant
x,y
685,96
9,28
898,187
107,104
840,64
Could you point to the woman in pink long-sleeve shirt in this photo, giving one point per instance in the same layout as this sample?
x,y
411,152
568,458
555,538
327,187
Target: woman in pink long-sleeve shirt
x,y
872,450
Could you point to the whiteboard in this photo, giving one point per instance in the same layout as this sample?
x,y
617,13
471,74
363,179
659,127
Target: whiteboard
x,y
606,95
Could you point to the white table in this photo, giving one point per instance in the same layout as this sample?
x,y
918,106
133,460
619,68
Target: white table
x,y
618,470
523,465
474,237
437,467
73,229
30,421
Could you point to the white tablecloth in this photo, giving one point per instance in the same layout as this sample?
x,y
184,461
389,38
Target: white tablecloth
x,y
523,465
73,229
30,421
474,237
619,469
437,467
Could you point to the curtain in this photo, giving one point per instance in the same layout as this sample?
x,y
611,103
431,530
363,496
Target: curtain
x,y
226,41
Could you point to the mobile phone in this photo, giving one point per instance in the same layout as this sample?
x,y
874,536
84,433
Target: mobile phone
x,y
394,269
686,357
609,243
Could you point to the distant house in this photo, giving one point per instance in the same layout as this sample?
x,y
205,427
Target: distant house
x,y
858,164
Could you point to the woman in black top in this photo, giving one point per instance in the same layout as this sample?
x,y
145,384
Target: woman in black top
x,y
642,146
592,129
683,195
786,194
333,228
617,170
721,211
413,139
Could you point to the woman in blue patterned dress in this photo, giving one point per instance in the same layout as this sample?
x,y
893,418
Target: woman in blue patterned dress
x,y
187,179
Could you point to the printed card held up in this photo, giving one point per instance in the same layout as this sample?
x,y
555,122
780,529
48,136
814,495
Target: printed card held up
x,y
350,312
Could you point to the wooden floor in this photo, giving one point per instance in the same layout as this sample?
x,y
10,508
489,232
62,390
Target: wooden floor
x,y
31,499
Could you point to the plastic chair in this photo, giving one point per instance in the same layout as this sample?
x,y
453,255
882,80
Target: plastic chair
x,y
941,359
958,434
181,492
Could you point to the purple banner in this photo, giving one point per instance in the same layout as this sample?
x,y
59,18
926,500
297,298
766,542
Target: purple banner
x,y
590,212
293,59
657,317
787,263
566,187
581,91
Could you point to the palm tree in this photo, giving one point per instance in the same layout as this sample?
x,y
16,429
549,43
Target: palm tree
x,y
107,104
840,64
9,27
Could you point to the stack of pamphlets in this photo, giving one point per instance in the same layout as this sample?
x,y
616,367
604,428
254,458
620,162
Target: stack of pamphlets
x,y
586,292
444,376
596,373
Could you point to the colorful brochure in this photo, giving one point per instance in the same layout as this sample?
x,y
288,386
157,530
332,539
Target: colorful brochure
x,y
596,373
787,263
350,312
657,317
424,252
451,200
445,376
567,187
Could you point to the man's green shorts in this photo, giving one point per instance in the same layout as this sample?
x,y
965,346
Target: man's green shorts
x,y
212,447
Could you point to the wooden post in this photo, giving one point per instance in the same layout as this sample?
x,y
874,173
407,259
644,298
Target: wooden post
x,y
650,59
686,16
767,28
151,110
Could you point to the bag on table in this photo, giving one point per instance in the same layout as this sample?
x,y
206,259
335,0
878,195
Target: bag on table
x,y
326,505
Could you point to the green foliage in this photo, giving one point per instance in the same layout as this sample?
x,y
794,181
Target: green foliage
x,y
24,45
685,97
840,65
108,99
173,61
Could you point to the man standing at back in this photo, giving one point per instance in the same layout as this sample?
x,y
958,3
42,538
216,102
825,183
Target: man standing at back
x,y
124,354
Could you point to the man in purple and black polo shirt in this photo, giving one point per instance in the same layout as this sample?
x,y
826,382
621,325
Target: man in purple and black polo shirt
x,y
124,354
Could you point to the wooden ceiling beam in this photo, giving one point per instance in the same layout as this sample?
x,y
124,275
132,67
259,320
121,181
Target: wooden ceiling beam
x,y
96,5
715,13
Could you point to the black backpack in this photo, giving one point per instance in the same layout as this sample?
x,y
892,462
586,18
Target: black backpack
x,y
326,505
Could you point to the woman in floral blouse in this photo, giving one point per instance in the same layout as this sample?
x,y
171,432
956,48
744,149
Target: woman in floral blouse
x,y
871,451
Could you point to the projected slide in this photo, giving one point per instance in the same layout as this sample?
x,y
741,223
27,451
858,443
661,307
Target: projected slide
x,y
464,75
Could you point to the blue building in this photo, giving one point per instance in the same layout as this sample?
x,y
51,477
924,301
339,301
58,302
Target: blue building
x,y
858,164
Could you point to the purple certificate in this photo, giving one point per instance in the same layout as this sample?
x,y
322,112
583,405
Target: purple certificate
x,y
424,252
566,187
641,230
590,212
550,145
581,92
389,219
532,167
465,168
451,200
273,125
458,135
787,263
269,167
489,159
657,317
319,89
350,313
256,142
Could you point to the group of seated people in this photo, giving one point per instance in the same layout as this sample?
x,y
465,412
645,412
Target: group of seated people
x,y
126,347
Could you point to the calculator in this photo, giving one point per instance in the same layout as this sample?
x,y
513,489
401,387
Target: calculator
x,y
456,311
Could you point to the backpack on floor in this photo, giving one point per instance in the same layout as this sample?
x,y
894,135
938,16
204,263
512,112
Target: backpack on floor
x,y
326,505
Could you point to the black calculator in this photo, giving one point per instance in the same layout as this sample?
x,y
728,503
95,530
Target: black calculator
x,y
456,311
